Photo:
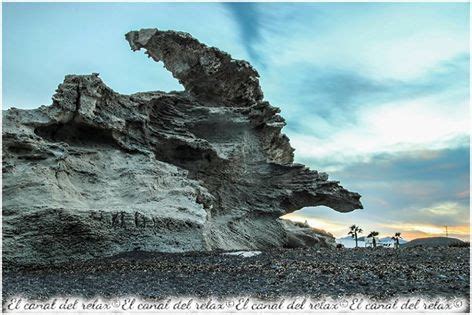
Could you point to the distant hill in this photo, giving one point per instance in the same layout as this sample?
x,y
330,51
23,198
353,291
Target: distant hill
x,y
433,242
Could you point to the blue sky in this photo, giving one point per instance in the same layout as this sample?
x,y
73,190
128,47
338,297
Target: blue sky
x,y
376,94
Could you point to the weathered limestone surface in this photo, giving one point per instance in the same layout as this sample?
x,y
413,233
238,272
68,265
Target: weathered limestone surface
x,y
99,173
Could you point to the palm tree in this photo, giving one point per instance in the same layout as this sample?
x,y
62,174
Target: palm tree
x,y
397,238
355,230
373,234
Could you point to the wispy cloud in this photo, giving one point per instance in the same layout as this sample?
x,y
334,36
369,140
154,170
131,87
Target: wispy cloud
x,y
248,19
347,115
331,91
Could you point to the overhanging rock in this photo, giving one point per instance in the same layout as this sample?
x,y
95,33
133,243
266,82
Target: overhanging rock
x,y
98,173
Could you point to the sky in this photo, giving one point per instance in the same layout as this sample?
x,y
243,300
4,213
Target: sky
x,y
375,94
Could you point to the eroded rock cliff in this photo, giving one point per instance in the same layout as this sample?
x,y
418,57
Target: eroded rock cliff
x,y
99,173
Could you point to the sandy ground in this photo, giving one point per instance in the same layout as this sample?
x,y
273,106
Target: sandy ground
x,y
380,273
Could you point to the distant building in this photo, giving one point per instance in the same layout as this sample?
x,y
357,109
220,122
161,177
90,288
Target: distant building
x,y
369,242
386,242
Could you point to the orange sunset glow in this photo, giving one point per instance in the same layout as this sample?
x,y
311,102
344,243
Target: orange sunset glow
x,y
409,231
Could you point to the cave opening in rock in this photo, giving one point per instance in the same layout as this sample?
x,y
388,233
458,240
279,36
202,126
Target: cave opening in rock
x,y
77,134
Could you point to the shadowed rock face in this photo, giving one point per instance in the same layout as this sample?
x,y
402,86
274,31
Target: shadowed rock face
x,y
99,173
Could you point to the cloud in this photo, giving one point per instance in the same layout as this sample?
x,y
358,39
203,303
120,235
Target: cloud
x,y
444,209
347,76
403,183
381,39
421,188
420,165
441,213
333,113
248,19
332,91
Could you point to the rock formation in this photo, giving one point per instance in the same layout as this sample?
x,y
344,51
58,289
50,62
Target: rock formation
x,y
99,173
